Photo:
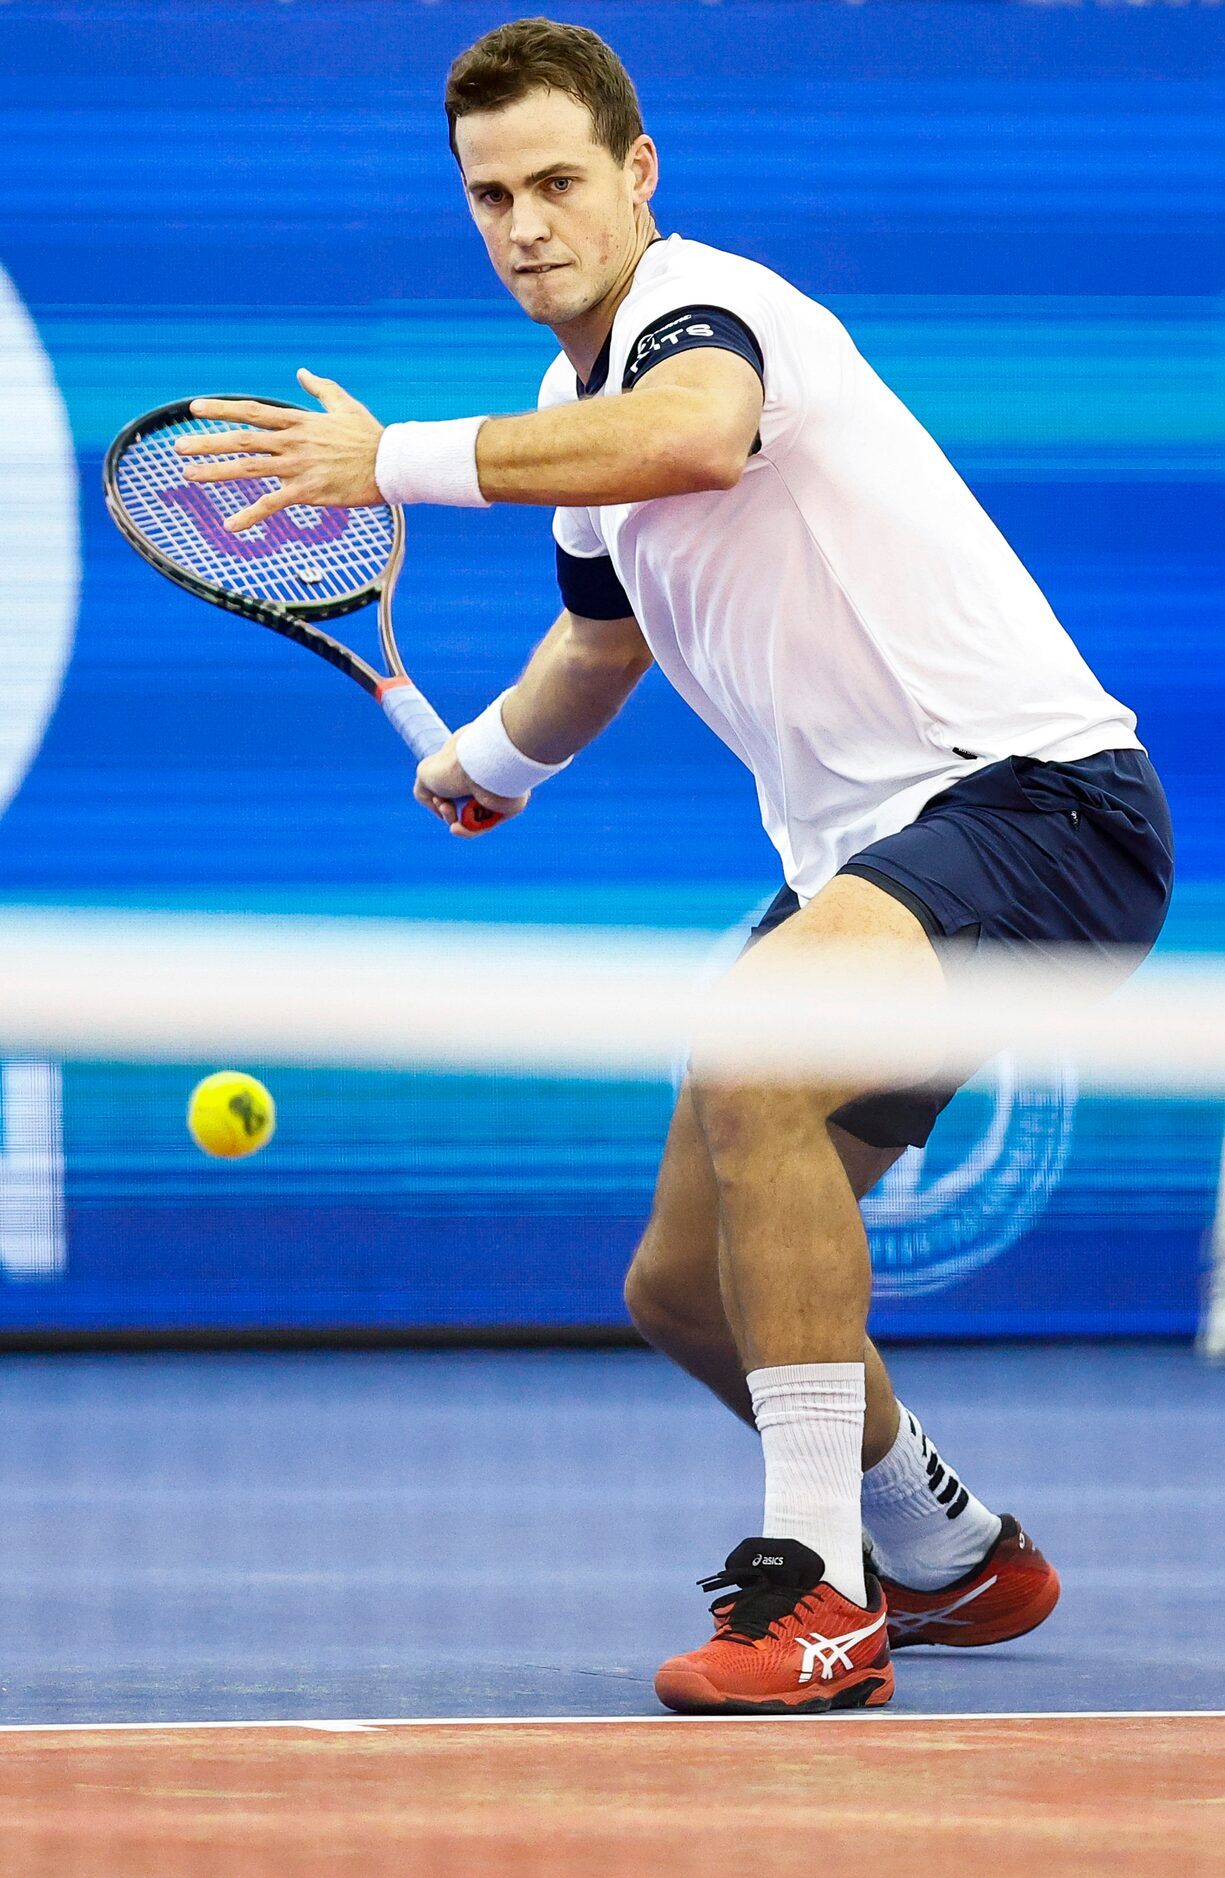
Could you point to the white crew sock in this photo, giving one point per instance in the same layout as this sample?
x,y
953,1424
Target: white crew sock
x,y
926,1528
810,1418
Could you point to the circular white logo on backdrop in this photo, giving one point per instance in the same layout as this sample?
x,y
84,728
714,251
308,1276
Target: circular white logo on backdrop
x,y
39,548
946,1210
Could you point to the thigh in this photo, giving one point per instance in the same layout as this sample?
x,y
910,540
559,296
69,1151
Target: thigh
x,y
849,913
885,1123
850,917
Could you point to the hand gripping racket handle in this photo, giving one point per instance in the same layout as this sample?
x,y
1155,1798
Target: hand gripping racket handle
x,y
416,720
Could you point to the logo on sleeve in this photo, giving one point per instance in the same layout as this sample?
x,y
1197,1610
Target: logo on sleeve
x,y
692,327
672,338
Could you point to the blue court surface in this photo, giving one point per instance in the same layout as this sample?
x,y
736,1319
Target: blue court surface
x,y
512,1534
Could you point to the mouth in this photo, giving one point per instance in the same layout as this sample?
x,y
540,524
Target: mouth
x,y
542,267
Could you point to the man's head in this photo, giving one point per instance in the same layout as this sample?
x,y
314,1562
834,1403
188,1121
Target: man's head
x,y
547,132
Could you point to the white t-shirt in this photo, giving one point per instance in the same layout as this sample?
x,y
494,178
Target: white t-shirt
x,y
847,618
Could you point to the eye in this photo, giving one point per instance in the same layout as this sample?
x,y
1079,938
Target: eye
x,y
492,197
562,183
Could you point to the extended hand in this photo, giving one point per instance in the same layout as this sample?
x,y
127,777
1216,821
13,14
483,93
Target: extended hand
x,y
441,782
322,458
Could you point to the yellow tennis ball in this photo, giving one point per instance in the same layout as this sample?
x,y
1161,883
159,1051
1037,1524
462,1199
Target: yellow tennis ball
x,y
231,1114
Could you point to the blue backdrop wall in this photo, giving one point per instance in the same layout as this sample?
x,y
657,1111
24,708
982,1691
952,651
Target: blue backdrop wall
x,y
1018,210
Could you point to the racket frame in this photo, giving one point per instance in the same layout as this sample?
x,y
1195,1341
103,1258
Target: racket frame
x,y
388,689
297,625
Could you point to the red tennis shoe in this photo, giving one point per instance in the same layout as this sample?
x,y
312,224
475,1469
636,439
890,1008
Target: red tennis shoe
x,y
785,1642
1012,1591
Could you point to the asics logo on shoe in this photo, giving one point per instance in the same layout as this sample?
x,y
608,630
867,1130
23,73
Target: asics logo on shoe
x,y
903,1621
764,1558
833,1651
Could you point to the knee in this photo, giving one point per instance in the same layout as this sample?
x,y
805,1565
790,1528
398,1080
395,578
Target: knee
x,y
647,1309
748,1127
656,1309
728,1119
737,1120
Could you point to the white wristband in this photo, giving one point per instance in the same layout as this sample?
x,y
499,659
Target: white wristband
x,y
430,463
487,754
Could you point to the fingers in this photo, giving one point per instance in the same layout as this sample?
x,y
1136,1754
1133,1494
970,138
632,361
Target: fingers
x,y
267,505
437,805
244,411
447,811
244,471
504,807
321,459
227,442
329,393
252,449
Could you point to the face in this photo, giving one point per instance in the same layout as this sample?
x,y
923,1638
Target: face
x,y
559,215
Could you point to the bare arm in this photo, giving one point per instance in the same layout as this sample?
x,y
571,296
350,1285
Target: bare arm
x,y
688,425
574,684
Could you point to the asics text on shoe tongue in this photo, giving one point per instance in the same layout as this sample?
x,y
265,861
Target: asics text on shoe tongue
x,y
767,1577
783,1561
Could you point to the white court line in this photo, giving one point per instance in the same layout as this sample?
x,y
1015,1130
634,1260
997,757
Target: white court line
x,y
356,1726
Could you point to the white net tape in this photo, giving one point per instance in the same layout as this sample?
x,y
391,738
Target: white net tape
x,y
586,1002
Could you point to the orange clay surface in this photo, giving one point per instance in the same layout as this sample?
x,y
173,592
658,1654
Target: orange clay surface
x,y
825,1798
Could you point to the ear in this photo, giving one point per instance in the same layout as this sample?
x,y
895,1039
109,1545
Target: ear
x,y
642,162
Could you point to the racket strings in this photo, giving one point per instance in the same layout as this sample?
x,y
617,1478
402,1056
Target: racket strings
x,y
299,556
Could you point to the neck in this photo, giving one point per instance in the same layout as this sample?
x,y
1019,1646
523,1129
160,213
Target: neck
x,y
581,339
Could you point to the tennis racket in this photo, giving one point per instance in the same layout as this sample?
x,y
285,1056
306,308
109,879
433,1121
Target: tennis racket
x,y
296,568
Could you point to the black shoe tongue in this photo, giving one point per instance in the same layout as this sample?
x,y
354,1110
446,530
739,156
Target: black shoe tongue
x,y
785,1561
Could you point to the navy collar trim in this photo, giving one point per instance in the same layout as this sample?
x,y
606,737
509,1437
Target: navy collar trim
x,y
599,371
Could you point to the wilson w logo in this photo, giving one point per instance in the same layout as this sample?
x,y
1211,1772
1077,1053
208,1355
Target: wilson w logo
x,y
277,532
32,1242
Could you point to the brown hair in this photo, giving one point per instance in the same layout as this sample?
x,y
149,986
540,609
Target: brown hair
x,y
527,55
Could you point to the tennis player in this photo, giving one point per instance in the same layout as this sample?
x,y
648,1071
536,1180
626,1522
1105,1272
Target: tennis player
x,y
740,499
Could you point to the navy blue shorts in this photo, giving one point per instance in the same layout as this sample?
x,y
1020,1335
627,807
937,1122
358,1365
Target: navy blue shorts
x,y
1032,857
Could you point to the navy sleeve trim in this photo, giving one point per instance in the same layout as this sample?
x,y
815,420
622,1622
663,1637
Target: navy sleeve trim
x,y
590,588
688,330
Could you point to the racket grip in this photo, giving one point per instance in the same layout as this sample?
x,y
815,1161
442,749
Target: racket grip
x,y
414,719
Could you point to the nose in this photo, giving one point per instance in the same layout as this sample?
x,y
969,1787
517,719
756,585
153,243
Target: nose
x,y
528,225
